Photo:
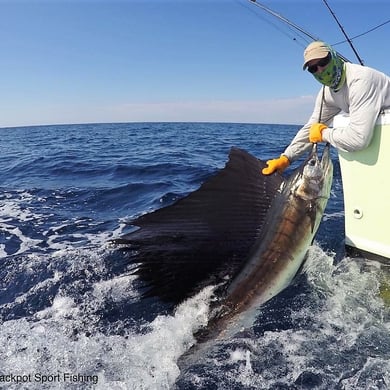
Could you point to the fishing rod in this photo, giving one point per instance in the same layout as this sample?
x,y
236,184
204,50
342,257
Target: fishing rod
x,y
345,34
285,20
291,24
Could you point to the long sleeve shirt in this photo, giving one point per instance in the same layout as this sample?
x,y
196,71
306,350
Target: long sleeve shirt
x,y
364,94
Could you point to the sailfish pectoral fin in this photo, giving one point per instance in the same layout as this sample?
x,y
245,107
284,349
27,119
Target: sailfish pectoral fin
x,y
208,232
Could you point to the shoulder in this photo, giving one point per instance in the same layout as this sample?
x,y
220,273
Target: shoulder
x,y
362,72
363,79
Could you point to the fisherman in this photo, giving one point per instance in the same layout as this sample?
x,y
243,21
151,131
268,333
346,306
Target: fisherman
x,y
360,91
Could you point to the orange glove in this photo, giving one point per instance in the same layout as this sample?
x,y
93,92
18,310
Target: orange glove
x,y
316,130
277,164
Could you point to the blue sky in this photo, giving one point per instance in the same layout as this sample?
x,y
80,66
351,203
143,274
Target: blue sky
x,y
84,61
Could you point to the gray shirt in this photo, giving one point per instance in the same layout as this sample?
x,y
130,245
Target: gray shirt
x,y
364,94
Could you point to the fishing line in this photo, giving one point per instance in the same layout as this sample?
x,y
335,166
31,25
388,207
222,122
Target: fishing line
x,y
364,33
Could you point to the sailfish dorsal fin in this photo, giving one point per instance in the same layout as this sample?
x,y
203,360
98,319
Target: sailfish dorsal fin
x,y
209,232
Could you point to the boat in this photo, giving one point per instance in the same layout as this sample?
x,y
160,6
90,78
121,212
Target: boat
x,y
367,202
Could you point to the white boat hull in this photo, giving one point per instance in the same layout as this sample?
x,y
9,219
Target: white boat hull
x,y
366,187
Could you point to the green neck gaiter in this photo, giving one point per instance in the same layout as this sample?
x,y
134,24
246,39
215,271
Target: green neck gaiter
x,y
333,75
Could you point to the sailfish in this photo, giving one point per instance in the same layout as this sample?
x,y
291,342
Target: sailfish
x,y
241,230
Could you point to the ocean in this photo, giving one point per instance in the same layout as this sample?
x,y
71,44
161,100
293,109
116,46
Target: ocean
x,y
70,308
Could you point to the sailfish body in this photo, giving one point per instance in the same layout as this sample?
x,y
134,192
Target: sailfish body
x,y
245,230
291,224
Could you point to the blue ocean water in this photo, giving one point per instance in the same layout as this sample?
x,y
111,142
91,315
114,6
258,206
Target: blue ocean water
x,y
70,308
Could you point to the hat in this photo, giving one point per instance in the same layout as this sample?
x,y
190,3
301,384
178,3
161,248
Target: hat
x,y
315,50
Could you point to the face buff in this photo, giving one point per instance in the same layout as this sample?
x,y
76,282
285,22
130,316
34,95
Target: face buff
x,y
333,75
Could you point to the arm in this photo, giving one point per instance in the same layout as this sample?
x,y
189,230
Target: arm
x,y
300,144
364,107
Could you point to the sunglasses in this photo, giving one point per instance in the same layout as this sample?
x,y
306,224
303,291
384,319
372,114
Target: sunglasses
x,y
321,63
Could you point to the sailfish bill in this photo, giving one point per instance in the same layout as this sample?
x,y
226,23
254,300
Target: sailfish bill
x,y
241,229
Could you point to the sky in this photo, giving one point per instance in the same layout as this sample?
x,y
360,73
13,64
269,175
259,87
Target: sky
x,y
103,61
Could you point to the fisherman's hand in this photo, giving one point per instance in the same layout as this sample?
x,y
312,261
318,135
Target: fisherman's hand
x,y
277,164
316,130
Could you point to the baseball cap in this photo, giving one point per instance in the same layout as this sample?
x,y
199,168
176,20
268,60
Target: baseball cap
x,y
315,50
